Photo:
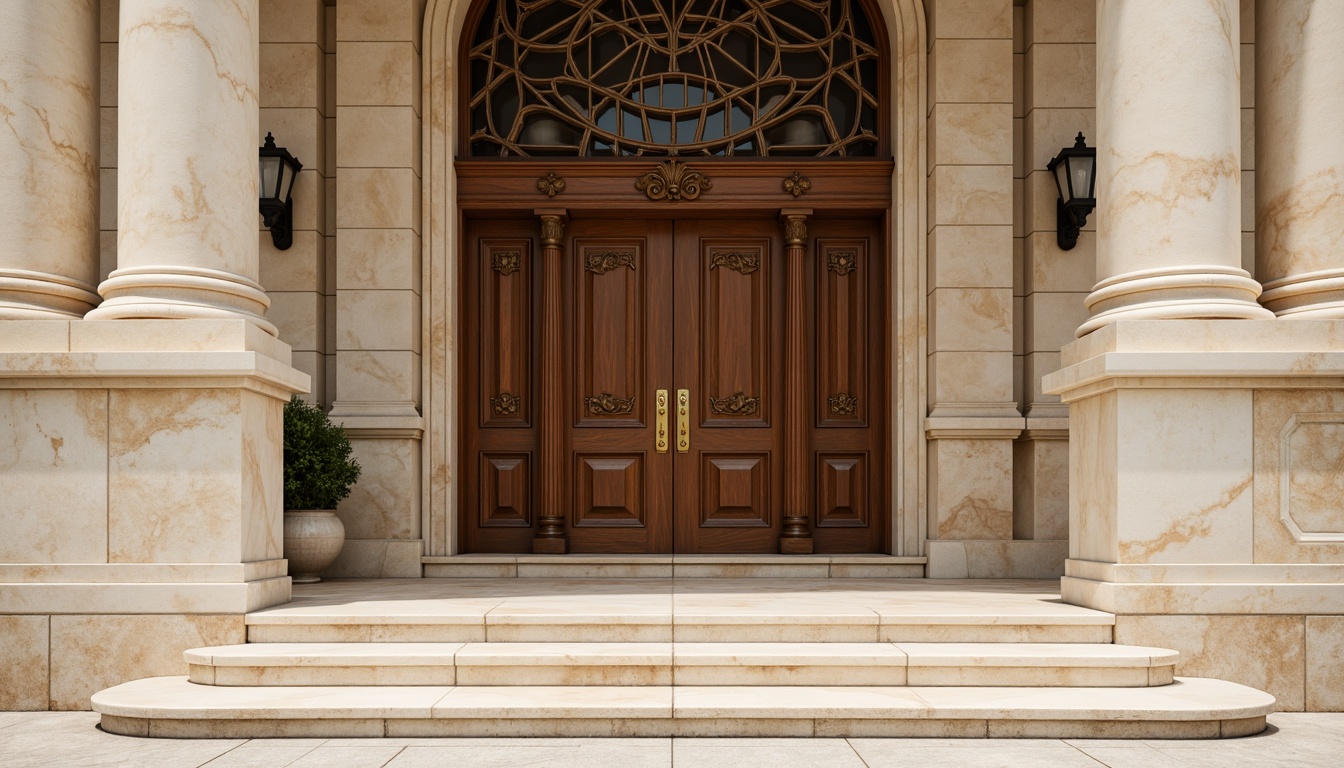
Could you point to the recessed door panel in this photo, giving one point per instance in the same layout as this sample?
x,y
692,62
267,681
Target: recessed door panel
x,y
842,332
734,382
610,307
609,492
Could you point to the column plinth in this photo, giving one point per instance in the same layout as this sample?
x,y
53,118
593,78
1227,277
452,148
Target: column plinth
x,y
49,159
1299,203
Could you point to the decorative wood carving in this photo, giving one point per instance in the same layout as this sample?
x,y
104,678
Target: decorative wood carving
x,y
745,262
842,404
552,230
505,262
797,184
504,404
842,262
673,180
795,230
602,263
607,404
736,404
551,184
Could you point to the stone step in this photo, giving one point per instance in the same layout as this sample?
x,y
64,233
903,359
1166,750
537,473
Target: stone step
x,y
635,623
668,566
174,707
682,664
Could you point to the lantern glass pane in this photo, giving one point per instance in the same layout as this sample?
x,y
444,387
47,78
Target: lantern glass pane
x,y
270,177
1080,171
1062,179
291,176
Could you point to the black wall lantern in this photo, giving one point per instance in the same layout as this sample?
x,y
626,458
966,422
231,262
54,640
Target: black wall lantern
x,y
1075,171
278,171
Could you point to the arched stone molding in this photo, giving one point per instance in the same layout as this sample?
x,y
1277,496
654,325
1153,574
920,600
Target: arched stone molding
x,y
906,32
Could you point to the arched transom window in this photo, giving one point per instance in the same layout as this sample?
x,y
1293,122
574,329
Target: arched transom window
x,y
602,78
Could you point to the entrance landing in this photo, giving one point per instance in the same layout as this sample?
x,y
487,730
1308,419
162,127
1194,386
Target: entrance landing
x,y
680,609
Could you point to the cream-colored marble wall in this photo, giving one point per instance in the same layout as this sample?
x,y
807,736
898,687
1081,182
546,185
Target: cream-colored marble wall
x,y
972,412
294,84
377,324
1056,101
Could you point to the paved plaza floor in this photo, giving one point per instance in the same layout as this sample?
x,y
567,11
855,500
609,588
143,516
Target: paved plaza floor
x,y
72,740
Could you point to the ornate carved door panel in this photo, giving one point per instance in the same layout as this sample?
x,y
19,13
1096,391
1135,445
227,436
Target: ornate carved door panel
x,y
618,352
693,311
729,353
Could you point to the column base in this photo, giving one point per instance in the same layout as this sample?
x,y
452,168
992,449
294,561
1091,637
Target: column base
x,y
548,546
28,295
182,293
1312,296
795,546
1200,292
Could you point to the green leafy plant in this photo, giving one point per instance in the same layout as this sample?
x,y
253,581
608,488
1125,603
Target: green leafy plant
x,y
318,467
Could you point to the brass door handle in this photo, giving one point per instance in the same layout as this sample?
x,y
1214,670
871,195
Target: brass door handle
x,y
660,438
683,420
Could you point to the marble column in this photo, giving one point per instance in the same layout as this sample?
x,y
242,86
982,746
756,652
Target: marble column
x,y
48,159
1169,164
1299,204
187,163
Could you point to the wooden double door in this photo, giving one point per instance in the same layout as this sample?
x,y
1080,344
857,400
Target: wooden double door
x,y
673,381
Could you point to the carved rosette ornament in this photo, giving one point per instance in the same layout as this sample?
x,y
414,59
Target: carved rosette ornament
x,y
505,404
842,404
552,229
607,404
551,184
505,262
736,404
795,230
602,263
842,262
673,180
797,184
738,261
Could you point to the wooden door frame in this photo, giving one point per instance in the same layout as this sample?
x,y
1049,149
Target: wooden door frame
x,y
442,207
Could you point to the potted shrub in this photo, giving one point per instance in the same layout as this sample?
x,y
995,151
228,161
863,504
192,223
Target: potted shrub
x,y
318,474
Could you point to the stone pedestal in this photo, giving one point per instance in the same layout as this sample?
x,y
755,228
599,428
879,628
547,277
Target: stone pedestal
x,y
143,493
1204,481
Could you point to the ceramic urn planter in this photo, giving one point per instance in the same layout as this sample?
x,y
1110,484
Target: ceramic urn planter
x,y
313,539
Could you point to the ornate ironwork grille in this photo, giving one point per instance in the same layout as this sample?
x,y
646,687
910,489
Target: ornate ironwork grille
x,y
673,77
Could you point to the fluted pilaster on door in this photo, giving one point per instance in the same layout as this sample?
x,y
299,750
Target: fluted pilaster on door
x,y
550,538
796,536
1299,205
48,159
187,160
1168,164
